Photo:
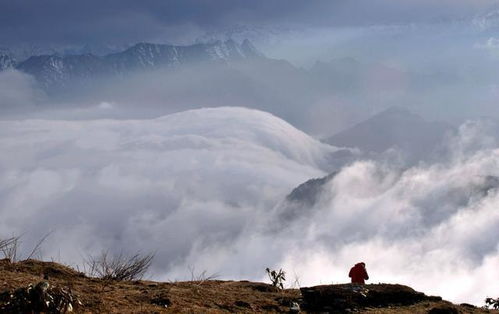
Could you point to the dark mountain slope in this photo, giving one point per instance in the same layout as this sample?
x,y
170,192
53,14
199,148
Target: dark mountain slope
x,y
395,128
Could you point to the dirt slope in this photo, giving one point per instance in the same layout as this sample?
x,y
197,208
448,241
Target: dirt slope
x,y
99,296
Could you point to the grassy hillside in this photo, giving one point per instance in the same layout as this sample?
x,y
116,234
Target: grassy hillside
x,y
94,295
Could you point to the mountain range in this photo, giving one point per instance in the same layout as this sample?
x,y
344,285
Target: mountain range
x,y
55,71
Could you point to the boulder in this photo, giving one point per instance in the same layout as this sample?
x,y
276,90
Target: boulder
x,y
339,298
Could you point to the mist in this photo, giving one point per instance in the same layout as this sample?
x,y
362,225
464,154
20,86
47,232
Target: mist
x,y
205,188
195,161
321,80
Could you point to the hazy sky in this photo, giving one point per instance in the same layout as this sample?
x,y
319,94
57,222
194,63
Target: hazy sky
x,y
97,22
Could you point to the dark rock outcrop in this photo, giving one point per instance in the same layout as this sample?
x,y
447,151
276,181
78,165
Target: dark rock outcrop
x,y
308,192
340,298
41,297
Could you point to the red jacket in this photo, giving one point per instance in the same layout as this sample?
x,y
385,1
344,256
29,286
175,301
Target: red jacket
x,y
358,273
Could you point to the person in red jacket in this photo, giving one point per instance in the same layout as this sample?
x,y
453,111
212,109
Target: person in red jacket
x,y
358,273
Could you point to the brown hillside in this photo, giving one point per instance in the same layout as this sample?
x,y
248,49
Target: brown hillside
x,y
100,296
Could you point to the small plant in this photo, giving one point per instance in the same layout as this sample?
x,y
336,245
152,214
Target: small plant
x,y
202,277
491,303
276,278
118,267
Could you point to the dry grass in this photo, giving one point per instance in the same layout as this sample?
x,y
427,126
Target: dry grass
x,y
118,267
213,296
140,296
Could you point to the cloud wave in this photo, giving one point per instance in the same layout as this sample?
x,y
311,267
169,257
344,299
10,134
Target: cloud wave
x,y
203,188
164,184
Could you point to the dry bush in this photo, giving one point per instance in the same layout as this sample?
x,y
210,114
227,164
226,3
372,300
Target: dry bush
x,y
118,267
296,282
10,248
202,277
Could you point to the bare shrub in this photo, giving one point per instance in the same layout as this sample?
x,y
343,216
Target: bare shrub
x,y
296,283
277,278
37,248
6,242
10,248
202,277
118,267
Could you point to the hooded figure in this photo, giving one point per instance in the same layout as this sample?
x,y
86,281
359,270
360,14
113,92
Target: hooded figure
x,y
358,273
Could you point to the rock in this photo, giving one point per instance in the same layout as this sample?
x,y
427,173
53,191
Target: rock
x,y
38,298
338,298
161,300
292,303
467,305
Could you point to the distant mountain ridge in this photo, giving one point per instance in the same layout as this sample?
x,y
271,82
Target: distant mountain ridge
x,y
397,128
53,71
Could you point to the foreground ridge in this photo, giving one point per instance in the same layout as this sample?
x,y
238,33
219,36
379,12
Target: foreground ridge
x,y
87,294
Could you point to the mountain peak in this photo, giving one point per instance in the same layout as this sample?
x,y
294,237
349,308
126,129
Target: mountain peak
x,y
395,127
56,70
397,112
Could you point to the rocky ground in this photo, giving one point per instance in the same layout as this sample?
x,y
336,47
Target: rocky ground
x,y
33,285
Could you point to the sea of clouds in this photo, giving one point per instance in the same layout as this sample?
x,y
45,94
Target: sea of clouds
x,y
203,189
170,185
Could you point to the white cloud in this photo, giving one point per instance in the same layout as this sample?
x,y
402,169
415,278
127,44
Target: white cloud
x,y
18,92
201,187
435,227
166,184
